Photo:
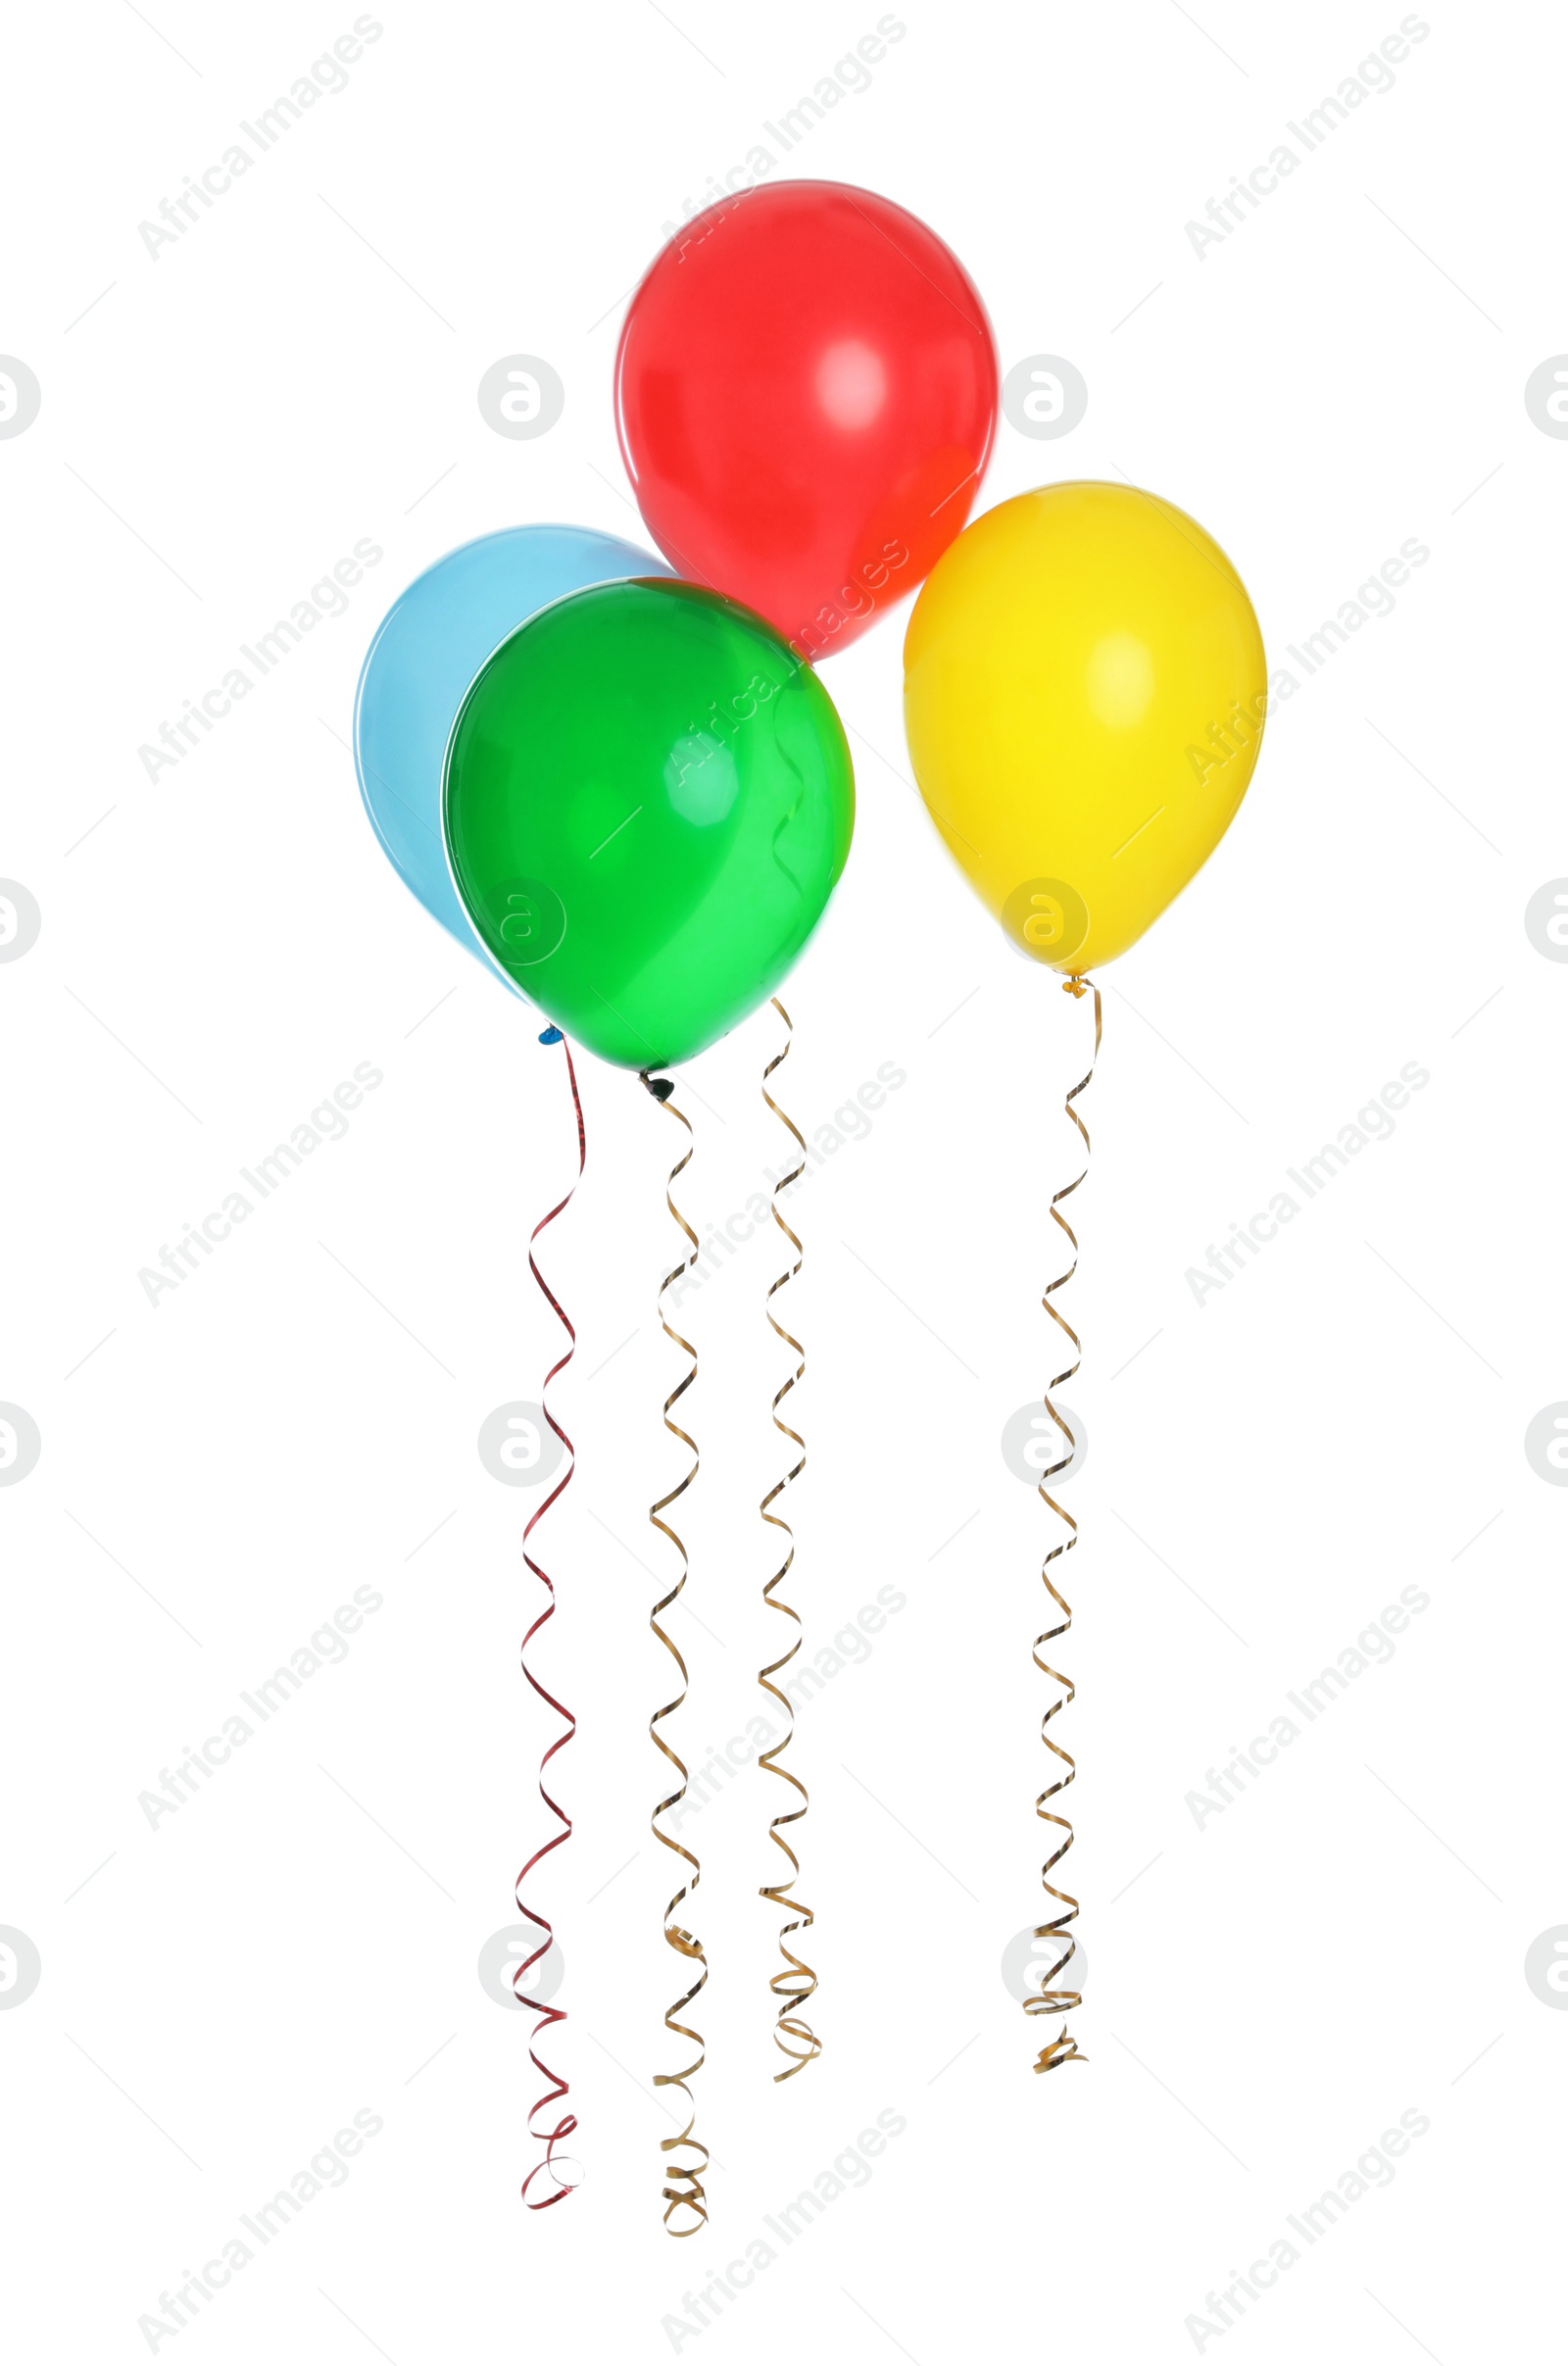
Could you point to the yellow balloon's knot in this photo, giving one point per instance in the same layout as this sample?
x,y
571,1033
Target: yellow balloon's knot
x,y
1077,987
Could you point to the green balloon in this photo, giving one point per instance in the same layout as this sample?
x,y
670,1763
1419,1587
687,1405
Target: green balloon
x,y
648,801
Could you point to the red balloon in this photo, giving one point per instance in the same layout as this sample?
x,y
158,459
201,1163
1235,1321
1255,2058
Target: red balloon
x,y
806,394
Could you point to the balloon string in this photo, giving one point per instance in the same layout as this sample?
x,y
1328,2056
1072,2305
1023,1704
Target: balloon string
x,y
796,1981
683,2191
557,2089
1050,1999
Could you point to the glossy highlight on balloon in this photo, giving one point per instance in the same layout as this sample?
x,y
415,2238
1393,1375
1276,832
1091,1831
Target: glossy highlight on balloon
x,y
648,801
427,649
1084,696
806,393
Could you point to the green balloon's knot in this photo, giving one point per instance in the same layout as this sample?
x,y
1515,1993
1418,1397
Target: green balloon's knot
x,y
660,1087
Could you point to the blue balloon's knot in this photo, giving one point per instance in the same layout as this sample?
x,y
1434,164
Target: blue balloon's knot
x,y
550,1035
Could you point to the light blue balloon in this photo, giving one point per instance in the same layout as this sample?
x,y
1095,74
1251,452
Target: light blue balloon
x,y
426,652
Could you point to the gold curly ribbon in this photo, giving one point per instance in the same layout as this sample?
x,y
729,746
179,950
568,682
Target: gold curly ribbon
x,y
796,1984
683,2191
550,2016
1050,1999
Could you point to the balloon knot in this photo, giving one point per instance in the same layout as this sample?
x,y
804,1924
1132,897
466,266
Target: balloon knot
x,y
550,1035
660,1087
1077,987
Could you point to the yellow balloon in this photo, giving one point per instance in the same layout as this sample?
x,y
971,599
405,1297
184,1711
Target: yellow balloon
x,y
1084,691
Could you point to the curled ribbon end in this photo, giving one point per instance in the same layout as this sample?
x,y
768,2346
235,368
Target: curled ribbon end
x,y
1060,2049
561,2186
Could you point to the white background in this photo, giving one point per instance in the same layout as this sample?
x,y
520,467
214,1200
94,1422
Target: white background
x,y
1267,1992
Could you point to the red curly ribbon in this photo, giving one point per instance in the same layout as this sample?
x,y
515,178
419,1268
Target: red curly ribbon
x,y
558,2088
